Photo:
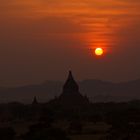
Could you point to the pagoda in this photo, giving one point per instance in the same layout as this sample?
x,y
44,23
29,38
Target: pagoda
x,y
70,95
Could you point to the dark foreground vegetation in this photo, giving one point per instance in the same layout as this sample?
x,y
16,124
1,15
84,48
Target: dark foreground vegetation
x,y
99,121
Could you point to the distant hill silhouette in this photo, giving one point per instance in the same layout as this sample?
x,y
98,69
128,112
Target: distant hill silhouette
x,y
96,90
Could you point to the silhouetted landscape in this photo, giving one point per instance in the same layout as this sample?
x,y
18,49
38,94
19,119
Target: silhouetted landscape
x,y
96,90
69,69
71,115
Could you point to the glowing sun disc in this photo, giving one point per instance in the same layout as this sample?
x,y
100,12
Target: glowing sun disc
x,y
99,51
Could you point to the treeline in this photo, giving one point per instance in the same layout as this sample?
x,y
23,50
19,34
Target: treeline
x,y
123,120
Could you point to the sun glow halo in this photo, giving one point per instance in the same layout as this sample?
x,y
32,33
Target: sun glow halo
x,y
99,51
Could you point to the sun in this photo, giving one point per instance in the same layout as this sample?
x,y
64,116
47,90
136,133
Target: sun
x,y
99,51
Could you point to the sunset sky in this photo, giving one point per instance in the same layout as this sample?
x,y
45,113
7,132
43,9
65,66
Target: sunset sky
x,y
42,39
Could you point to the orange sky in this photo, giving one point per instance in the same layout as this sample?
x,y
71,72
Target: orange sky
x,y
39,37
101,20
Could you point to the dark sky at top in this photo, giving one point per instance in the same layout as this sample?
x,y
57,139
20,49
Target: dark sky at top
x,y
42,39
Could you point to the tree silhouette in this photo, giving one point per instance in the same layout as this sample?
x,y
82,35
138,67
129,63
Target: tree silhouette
x,y
40,132
75,127
7,133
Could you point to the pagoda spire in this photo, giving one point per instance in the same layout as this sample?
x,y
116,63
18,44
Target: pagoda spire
x,y
35,102
70,85
70,76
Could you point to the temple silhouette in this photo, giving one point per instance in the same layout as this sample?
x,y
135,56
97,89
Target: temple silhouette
x,y
35,102
70,96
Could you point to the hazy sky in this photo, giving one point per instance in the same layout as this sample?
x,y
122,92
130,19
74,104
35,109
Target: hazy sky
x,y
42,39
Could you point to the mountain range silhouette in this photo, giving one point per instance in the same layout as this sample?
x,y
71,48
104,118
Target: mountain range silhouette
x,y
95,90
